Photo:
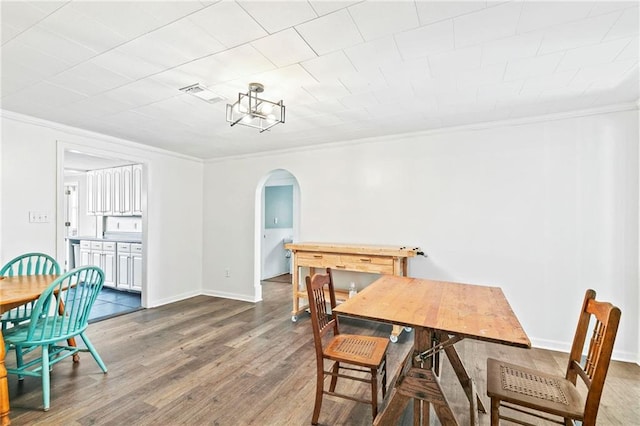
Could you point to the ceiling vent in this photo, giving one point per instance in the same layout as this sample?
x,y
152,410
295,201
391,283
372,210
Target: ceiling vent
x,y
203,93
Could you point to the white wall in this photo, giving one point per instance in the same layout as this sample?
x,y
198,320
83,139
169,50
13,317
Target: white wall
x,y
31,153
544,210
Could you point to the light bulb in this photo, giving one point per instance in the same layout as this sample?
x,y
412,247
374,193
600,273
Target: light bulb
x,y
266,109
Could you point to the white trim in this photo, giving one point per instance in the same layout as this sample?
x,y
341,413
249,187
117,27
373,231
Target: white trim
x,y
90,134
227,295
442,130
173,299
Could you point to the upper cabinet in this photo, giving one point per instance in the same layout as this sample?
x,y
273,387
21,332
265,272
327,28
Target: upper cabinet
x,y
136,189
115,191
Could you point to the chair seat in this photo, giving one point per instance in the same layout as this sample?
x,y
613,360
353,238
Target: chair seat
x,y
16,315
533,389
365,351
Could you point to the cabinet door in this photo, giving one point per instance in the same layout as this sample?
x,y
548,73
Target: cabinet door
x,y
98,192
124,271
107,192
116,188
137,189
96,258
85,257
91,199
136,267
109,268
125,192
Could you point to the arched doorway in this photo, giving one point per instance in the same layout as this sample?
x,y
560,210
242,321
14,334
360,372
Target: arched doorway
x,y
277,219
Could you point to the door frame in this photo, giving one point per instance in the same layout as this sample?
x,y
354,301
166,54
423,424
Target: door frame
x,y
259,221
61,147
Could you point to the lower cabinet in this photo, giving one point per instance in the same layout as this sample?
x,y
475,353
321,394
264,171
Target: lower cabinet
x,y
121,262
109,263
102,255
130,266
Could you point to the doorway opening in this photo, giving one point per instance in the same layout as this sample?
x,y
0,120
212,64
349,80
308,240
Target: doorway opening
x,y
277,222
100,223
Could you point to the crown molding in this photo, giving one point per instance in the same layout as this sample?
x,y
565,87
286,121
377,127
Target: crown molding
x,y
629,106
76,131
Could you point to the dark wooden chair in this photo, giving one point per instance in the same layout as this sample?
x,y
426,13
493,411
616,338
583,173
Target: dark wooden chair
x,y
361,353
536,393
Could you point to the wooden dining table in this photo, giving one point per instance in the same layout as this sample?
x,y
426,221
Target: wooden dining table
x,y
16,291
441,314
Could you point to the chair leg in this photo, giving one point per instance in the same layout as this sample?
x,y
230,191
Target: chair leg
x,y
319,392
45,377
93,351
374,392
19,361
334,376
495,412
384,376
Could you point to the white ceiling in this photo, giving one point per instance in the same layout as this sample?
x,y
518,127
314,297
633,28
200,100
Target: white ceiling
x,y
345,69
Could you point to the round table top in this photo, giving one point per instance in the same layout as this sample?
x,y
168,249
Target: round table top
x,y
21,289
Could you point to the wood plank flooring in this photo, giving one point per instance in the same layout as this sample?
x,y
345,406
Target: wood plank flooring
x,y
210,361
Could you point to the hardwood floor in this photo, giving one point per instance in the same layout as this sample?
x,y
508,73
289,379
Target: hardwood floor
x,y
210,361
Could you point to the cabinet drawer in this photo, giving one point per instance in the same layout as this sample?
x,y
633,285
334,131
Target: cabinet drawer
x,y
110,246
85,244
374,264
318,260
136,248
96,245
124,247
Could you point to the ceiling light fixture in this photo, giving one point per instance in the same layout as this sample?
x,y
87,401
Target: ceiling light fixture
x,y
252,111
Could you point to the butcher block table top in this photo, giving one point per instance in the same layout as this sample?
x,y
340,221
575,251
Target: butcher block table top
x,y
374,250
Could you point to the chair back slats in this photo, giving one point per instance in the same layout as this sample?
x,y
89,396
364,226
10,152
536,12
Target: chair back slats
x,y
599,321
594,349
31,264
322,317
63,309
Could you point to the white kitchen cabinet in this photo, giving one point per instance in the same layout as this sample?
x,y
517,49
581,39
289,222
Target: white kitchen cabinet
x,y
122,178
102,255
136,267
91,196
98,192
115,191
136,189
107,192
124,266
85,253
109,263
130,266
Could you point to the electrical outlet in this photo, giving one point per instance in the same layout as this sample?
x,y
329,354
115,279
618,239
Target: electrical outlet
x,y
227,273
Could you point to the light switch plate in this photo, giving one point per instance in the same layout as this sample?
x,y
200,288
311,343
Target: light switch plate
x,y
38,217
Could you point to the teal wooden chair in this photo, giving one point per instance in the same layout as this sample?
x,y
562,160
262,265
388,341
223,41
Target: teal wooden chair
x,y
26,264
60,313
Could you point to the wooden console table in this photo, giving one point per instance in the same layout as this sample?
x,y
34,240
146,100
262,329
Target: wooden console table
x,y
386,260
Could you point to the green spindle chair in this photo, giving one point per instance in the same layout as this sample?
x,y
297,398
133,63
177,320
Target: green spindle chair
x,y
26,264
73,295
